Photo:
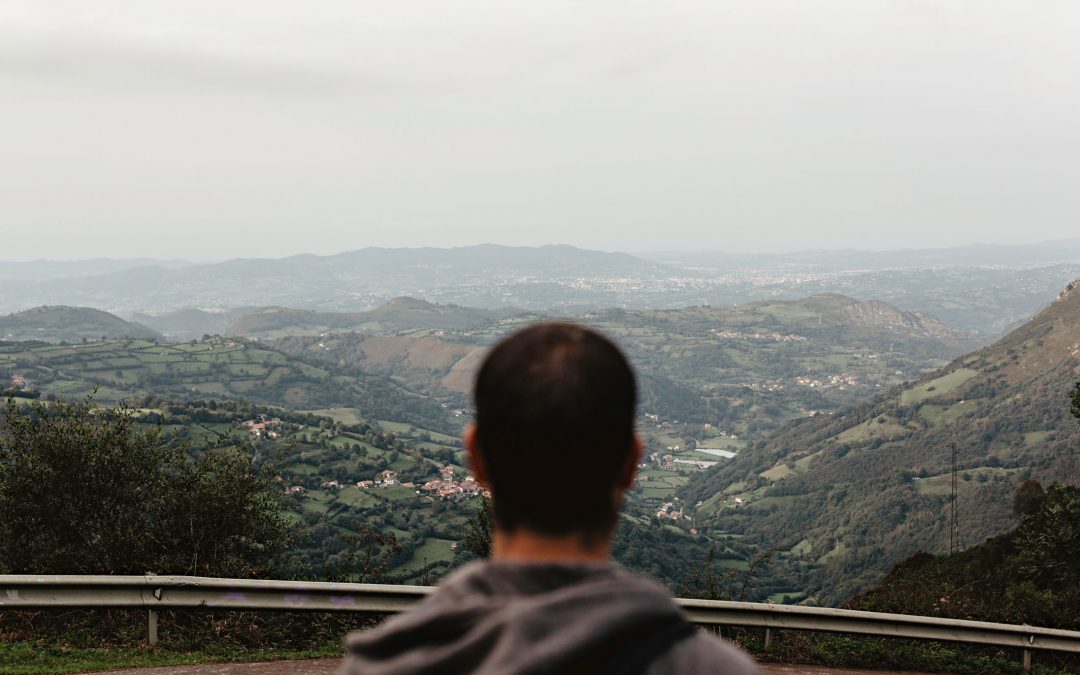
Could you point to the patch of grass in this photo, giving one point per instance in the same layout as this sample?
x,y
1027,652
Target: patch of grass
x,y
395,494
658,492
33,657
942,483
733,564
735,487
804,547
351,495
1035,437
396,427
350,416
803,463
723,444
878,427
432,551
942,414
305,469
787,597
871,653
836,552
657,474
937,387
777,472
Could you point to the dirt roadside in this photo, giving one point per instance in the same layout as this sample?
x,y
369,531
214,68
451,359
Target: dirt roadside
x,y
330,666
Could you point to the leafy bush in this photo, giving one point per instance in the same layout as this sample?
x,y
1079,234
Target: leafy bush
x,y
87,491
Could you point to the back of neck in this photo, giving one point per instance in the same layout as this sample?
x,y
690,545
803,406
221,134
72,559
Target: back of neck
x,y
525,546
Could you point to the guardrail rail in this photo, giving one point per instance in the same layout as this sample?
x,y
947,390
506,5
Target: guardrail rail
x,y
154,593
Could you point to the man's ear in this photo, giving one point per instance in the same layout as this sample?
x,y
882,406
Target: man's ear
x,y
476,461
629,470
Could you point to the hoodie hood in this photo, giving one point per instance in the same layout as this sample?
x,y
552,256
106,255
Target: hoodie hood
x,y
523,618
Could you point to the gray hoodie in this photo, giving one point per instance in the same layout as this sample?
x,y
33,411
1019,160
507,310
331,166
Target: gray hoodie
x,y
502,618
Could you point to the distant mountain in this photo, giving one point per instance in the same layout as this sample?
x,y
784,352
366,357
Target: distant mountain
x,y
399,314
190,324
427,364
348,281
845,496
871,315
983,289
41,270
974,255
70,324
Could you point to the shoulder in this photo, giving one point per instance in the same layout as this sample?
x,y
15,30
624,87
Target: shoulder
x,y
703,653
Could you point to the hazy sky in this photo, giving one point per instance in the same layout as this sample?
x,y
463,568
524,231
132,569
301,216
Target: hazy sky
x,y
209,129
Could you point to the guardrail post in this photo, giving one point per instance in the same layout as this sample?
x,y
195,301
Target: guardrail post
x,y
151,627
768,639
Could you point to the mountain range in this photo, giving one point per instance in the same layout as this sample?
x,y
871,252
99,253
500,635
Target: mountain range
x,y
842,497
974,255
837,418
981,289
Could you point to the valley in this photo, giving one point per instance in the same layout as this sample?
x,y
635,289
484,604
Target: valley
x,y
342,399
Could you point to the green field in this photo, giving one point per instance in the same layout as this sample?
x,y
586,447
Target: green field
x,y
937,387
431,551
939,414
882,426
942,484
777,472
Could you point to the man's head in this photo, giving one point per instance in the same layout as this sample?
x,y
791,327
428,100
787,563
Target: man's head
x,y
554,435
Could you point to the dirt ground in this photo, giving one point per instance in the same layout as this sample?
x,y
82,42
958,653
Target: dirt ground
x,y
330,666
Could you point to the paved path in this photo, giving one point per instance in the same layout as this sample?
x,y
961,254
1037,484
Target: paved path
x,y
330,666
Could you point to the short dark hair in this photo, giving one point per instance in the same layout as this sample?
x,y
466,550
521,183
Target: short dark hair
x,y
555,428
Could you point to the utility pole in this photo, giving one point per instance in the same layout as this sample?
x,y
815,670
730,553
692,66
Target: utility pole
x,y
954,526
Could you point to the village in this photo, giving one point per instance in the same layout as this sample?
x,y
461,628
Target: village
x,y
19,383
841,381
774,337
263,427
444,488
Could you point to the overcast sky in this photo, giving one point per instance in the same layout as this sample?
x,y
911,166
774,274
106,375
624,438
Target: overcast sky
x,y
208,129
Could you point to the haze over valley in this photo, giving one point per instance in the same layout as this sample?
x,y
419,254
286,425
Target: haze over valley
x,y
980,289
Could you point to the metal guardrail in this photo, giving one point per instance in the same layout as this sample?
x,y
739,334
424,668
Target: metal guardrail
x,y
155,593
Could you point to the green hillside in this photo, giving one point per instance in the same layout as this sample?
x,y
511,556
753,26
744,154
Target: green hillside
x,y
70,324
1027,575
407,315
744,370
219,368
844,496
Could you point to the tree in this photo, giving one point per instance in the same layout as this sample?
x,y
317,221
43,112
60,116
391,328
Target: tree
x,y
1049,538
1076,401
367,558
477,539
1028,499
90,491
